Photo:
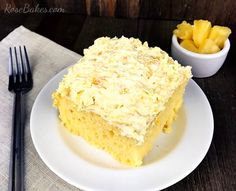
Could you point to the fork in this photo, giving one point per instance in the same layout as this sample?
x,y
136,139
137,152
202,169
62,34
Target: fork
x,y
20,82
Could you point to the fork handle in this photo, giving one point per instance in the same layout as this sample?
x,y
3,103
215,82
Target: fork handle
x,y
17,146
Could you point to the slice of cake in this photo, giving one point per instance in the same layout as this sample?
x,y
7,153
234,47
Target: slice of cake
x,y
121,95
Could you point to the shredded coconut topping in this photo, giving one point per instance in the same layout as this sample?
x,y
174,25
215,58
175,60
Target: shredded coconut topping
x,y
124,81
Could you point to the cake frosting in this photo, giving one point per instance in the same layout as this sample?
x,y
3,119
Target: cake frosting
x,y
124,81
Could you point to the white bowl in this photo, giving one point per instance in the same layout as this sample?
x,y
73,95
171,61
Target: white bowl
x,y
203,65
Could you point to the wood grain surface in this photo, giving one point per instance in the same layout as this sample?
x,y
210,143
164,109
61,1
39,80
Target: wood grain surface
x,y
217,11
217,172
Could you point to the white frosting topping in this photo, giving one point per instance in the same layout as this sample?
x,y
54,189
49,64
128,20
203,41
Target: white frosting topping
x,y
125,82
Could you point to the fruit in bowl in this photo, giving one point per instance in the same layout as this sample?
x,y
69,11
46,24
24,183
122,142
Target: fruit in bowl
x,y
201,46
201,37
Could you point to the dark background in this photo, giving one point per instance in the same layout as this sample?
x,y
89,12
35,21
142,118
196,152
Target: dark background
x,y
218,11
152,21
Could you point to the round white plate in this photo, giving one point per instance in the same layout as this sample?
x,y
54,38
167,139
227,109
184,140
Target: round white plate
x,y
173,157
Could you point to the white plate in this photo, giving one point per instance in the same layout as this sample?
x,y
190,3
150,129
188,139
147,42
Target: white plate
x,y
173,157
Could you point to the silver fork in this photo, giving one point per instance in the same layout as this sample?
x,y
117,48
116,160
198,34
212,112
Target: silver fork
x,y
20,82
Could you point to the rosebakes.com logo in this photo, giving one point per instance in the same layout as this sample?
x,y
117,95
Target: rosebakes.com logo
x,y
28,9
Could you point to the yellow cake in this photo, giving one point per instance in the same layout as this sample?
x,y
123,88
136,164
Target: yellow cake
x,y
121,95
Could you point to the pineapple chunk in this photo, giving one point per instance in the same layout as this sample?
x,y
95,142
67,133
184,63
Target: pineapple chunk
x,y
201,30
184,31
219,35
209,47
189,45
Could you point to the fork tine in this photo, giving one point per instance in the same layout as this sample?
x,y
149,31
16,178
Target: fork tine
x,y
18,69
28,70
24,72
10,69
16,63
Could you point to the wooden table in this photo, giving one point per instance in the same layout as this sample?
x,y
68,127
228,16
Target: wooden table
x,y
217,171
